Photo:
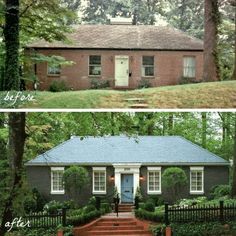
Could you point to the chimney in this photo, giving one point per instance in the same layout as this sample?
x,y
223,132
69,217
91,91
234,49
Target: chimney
x,y
120,21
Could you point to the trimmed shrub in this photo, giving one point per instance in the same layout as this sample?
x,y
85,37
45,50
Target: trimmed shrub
x,y
149,206
141,205
89,208
58,86
106,207
144,83
83,218
174,180
202,229
156,216
99,84
158,230
187,80
52,207
219,191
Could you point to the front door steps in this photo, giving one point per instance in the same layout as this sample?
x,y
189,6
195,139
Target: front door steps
x,y
125,207
110,225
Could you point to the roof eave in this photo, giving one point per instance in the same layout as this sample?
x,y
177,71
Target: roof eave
x,y
142,164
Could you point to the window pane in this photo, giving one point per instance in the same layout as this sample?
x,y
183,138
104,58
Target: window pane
x,y
99,181
94,70
149,71
57,180
154,181
95,60
196,180
148,60
189,67
54,70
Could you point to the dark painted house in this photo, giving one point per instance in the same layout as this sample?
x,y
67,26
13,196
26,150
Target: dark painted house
x,y
123,56
127,163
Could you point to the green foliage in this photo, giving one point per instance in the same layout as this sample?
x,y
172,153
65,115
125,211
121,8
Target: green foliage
x,y
192,201
99,84
35,203
106,206
174,179
149,206
75,178
158,230
52,207
144,83
83,218
156,216
202,229
58,86
89,208
220,191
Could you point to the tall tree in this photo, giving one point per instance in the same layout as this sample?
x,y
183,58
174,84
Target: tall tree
x,y
15,156
233,193
204,129
211,24
11,36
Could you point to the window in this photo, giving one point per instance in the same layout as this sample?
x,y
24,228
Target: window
x,y
148,66
99,180
54,70
196,180
95,67
57,186
154,180
189,67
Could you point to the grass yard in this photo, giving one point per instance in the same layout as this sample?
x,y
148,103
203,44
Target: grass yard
x,y
203,95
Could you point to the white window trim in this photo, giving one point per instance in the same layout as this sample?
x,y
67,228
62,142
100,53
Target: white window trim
x,y
196,169
55,169
94,65
100,169
152,169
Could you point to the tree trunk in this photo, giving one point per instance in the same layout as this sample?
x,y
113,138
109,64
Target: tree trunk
x,y
204,129
11,36
212,19
233,192
234,73
170,123
15,152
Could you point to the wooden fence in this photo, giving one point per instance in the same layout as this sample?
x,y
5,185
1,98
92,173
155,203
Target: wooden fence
x,y
42,220
222,212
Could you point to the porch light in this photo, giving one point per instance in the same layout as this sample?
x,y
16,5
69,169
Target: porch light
x,y
112,177
141,177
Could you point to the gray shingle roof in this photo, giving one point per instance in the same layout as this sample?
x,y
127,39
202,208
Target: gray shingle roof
x,y
126,37
152,150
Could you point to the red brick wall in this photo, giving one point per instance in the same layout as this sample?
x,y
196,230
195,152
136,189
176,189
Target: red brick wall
x,y
168,67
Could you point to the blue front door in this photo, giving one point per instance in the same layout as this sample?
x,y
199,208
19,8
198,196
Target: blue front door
x,y
127,188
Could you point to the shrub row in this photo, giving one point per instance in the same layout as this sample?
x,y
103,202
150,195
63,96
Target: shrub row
x,y
208,228
83,218
156,216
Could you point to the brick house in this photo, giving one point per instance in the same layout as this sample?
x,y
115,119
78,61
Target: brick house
x,y
122,56
127,163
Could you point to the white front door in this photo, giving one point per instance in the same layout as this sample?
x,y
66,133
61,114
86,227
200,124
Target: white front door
x,y
122,71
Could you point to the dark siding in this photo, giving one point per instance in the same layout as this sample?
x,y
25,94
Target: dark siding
x,y
40,177
213,175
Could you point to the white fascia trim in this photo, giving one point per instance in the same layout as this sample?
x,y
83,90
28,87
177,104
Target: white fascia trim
x,y
57,168
154,168
99,168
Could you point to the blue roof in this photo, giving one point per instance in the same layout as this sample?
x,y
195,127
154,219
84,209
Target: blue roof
x,y
151,150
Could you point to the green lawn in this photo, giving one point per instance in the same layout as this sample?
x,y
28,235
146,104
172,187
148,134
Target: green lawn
x,y
203,95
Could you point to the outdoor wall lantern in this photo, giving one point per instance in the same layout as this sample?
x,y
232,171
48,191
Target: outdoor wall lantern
x,y
141,177
112,177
